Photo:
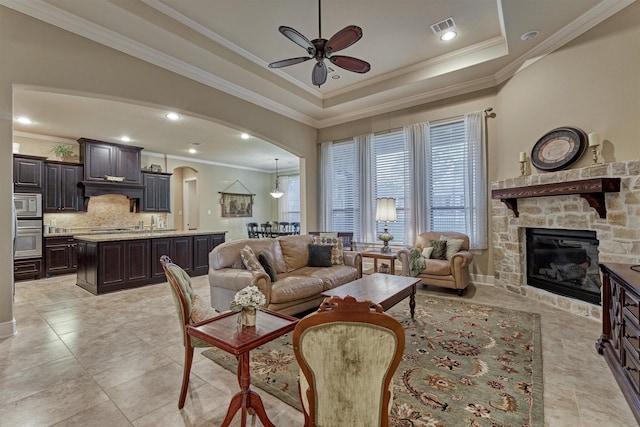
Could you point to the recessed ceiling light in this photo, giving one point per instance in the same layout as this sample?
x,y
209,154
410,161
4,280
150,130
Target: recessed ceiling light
x,y
193,150
125,138
335,76
449,35
529,35
172,116
245,136
24,120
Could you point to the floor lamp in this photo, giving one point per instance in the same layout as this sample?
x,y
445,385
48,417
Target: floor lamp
x,y
386,211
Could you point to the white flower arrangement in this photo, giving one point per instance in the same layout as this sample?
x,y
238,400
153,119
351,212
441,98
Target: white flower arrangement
x,y
248,297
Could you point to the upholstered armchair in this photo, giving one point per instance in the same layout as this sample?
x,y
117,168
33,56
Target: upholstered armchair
x,y
452,272
348,352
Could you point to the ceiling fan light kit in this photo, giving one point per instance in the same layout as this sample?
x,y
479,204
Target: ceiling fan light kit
x,y
321,49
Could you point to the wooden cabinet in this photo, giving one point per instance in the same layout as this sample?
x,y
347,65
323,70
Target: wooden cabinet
x,y
61,189
157,192
179,249
27,174
620,339
112,265
27,269
202,245
102,158
60,255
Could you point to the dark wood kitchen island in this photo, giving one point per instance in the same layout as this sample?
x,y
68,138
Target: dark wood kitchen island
x,y
111,262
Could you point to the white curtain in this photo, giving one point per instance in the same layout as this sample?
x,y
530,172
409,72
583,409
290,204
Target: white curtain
x,y
366,196
326,183
476,179
417,192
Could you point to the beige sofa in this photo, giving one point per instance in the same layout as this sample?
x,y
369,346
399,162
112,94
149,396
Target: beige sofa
x,y
297,287
452,273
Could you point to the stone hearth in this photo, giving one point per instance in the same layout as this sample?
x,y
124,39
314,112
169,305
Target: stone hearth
x,y
618,233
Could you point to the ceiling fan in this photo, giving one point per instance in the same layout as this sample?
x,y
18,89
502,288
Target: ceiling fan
x,y
320,48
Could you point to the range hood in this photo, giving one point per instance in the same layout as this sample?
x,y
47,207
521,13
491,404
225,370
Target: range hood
x,y
134,192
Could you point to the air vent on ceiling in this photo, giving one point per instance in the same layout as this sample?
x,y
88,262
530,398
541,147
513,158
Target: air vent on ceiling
x,y
444,25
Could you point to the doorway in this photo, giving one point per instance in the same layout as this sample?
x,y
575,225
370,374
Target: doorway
x,y
191,218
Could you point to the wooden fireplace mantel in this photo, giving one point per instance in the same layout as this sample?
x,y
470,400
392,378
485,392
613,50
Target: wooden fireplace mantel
x,y
592,190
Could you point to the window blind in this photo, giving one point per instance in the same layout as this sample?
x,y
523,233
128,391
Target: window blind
x,y
448,170
344,188
392,175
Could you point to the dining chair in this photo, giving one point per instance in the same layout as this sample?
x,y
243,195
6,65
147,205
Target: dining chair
x,y
343,381
295,227
284,226
266,230
252,230
191,309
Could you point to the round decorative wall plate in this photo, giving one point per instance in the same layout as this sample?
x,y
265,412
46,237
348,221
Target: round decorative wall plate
x,y
558,149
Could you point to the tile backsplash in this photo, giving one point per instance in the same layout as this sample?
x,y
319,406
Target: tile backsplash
x,y
107,211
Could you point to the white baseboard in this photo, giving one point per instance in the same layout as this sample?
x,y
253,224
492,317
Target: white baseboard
x,y
8,329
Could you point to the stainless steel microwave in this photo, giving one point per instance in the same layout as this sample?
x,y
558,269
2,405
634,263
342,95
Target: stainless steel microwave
x,y
28,205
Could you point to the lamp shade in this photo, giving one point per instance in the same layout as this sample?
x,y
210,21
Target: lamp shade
x,y
386,209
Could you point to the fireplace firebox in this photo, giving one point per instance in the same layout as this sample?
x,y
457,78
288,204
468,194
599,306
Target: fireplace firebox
x,y
564,262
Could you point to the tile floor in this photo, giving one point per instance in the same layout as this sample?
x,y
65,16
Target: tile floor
x,y
116,360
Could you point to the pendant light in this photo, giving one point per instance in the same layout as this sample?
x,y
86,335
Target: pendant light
x,y
276,193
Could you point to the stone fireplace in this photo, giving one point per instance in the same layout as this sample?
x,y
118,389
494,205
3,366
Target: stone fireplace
x,y
614,217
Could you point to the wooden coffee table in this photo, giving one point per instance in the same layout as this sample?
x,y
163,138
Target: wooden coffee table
x,y
384,289
225,333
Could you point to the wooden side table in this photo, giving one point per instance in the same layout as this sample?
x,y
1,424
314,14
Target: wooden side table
x,y
226,333
391,257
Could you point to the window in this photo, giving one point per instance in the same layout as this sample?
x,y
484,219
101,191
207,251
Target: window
x,y
289,203
447,170
391,178
436,173
345,188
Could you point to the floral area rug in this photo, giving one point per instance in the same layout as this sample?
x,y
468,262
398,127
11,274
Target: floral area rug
x,y
464,364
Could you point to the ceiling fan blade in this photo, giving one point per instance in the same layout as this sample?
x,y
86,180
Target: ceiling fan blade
x,y
298,39
319,74
290,61
351,64
344,38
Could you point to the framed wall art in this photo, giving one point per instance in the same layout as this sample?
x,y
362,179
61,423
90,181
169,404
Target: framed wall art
x,y
235,205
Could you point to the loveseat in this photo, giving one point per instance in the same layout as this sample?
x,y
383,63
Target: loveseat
x,y
452,272
297,287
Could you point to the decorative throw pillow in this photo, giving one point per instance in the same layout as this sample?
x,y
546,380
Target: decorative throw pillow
x,y
439,249
200,310
453,245
250,260
426,252
337,249
266,263
319,256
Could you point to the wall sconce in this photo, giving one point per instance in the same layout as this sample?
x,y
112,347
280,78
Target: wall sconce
x,y
594,143
276,193
386,211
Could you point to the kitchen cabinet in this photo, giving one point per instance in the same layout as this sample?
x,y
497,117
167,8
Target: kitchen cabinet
x,y
102,158
110,266
106,264
202,245
157,192
27,174
60,255
179,249
620,339
61,189
27,269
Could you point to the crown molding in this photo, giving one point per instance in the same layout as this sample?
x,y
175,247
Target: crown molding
x,y
48,138
62,19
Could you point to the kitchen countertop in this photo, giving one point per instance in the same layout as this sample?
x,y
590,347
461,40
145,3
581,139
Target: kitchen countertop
x,y
133,235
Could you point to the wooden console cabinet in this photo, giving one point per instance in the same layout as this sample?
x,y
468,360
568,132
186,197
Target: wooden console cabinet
x,y
620,339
